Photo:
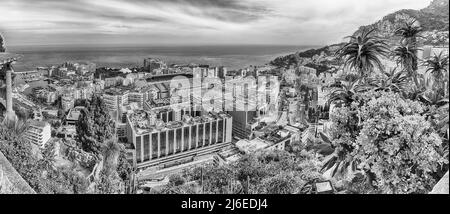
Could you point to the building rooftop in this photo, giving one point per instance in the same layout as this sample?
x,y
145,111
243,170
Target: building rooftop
x,y
117,90
275,136
230,154
38,124
74,113
162,103
250,146
168,77
146,121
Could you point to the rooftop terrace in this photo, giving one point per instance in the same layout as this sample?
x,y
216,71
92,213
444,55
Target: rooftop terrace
x,y
146,122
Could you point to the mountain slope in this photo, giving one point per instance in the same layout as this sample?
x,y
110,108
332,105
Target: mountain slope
x,y
434,20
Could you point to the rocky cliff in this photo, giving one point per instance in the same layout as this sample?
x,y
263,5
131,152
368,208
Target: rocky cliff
x,y
433,19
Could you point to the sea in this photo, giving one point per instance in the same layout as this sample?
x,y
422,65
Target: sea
x,y
121,56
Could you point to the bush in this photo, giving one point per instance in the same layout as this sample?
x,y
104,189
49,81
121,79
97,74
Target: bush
x,y
262,172
95,126
283,183
391,140
176,180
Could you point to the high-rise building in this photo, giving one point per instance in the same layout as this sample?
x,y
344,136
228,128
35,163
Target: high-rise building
x,y
115,99
151,64
156,141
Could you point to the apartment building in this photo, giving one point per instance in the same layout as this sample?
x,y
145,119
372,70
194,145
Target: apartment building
x,y
38,133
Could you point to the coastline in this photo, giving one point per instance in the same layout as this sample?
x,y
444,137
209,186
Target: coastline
x,y
231,56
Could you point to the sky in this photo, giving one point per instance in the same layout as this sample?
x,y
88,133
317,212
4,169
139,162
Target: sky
x,y
186,22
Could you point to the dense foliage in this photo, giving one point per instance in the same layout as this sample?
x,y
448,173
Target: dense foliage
x,y
39,172
389,129
265,172
96,134
94,126
38,166
392,141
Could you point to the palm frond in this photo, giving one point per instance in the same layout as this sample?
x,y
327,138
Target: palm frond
x,y
363,52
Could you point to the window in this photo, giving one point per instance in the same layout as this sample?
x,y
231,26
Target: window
x,y
165,116
138,149
194,137
171,142
146,147
200,135
170,116
178,140
154,145
213,132
162,143
186,138
207,133
220,130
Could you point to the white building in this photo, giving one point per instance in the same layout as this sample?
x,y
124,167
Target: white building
x,y
38,133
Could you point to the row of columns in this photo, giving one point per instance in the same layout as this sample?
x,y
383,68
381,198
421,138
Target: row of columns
x,y
183,140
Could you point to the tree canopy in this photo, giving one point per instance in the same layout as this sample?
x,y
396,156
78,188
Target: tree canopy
x,y
392,142
95,126
2,44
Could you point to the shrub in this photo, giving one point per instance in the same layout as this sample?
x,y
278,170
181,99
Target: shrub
x,y
389,138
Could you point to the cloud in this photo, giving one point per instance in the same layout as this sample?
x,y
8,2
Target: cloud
x,y
190,21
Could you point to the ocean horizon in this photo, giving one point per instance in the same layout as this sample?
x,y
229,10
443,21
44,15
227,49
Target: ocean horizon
x,y
119,56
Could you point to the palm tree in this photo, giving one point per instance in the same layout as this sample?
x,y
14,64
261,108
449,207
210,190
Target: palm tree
x,y
417,92
405,55
363,52
437,66
409,31
433,97
390,81
346,93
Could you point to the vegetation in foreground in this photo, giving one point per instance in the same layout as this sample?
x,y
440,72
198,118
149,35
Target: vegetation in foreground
x,y
96,159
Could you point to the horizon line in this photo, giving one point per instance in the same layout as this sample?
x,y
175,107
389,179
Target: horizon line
x,y
159,45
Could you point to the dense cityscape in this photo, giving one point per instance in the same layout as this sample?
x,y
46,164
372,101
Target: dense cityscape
x,y
369,115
